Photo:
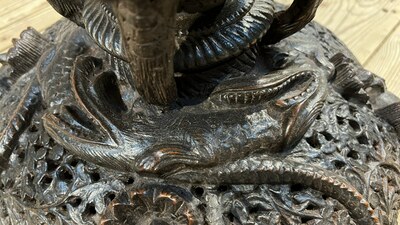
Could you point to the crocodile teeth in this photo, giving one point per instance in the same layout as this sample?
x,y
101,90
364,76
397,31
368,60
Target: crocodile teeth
x,y
254,96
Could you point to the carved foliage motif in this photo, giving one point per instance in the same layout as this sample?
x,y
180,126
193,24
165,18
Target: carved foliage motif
x,y
278,134
75,191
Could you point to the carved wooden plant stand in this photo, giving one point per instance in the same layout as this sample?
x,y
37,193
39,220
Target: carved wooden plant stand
x,y
193,112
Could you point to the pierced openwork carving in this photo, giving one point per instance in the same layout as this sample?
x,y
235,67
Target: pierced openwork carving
x,y
193,112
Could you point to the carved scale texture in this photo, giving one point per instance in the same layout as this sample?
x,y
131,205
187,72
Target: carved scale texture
x,y
60,164
5,81
101,24
71,9
52,166
259,171
18,111
228,37
200,84
351,141
203,46
54,73
391,113
55,83
44,184
26,52
299,14
346,71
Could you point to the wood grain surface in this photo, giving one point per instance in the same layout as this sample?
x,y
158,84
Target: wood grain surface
x,y
370,28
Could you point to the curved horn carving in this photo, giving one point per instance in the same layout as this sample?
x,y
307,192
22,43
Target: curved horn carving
x,y
288,22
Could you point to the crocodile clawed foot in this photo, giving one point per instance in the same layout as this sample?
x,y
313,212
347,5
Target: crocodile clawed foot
x,y
83,136
167,158
81,125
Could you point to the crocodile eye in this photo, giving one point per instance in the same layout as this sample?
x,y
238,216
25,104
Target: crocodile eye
x,y
281,60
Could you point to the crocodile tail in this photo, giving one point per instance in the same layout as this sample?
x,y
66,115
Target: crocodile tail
x,y
268,171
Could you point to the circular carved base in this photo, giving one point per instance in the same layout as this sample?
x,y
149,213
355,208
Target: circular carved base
x,y
312,150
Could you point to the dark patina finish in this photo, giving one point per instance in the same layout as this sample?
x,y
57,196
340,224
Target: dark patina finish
x,y
194,112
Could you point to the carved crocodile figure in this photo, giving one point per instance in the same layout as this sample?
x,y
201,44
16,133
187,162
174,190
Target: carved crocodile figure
x,y
238,92
192,133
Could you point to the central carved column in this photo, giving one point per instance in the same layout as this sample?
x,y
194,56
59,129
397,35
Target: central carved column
x,y
148,28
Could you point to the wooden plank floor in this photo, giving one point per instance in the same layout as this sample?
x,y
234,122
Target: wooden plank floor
x,y
370,28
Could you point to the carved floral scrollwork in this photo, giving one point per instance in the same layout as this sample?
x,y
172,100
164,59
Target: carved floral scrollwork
x,y
283,204
153,205
385,196
281,133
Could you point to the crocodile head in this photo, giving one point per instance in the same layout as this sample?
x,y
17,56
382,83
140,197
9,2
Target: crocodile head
x,y
255,101
264,110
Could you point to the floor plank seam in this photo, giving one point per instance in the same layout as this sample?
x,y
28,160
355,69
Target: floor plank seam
x,y
383,42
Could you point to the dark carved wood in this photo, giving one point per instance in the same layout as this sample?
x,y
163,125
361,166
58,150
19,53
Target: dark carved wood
x,y
288,22
148,31
194,112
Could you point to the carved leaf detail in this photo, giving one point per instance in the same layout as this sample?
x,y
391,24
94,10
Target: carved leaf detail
x,y
71,9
